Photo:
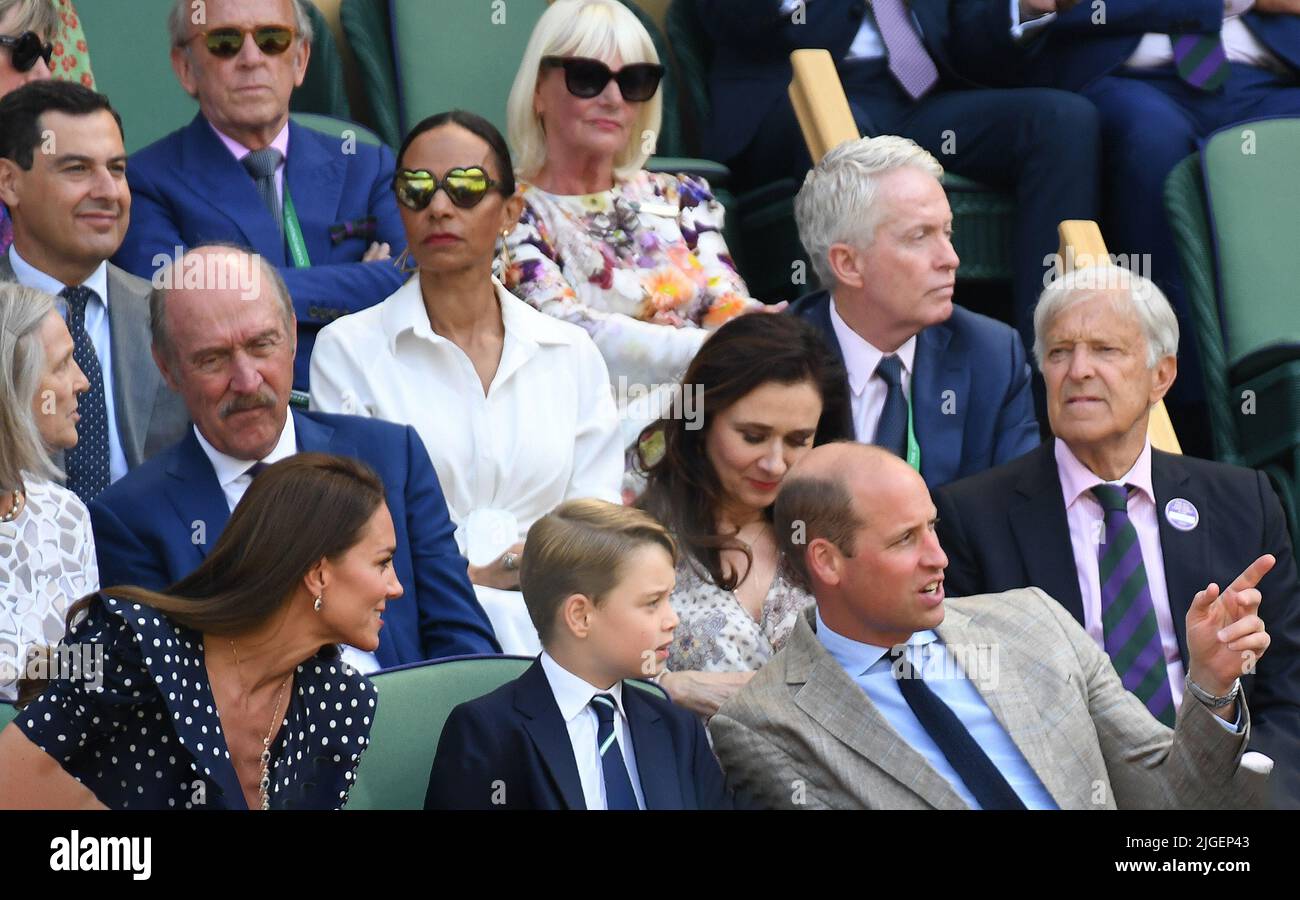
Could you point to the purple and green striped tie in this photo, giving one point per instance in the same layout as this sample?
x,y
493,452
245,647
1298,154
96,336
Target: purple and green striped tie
x,y
1128,617
1201,60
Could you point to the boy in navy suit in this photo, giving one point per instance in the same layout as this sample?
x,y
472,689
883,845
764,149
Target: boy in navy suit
x,y
570,733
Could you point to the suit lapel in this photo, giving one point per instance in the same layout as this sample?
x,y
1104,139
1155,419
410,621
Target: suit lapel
x,y
314,172
836,703
936,371
653,749
230,191
1042,531
1184,552
135,384
196,495
544,725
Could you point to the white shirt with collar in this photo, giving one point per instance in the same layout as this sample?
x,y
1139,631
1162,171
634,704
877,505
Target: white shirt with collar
x,y
868,389
98,328
573,697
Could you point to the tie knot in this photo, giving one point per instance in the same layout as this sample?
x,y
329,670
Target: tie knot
x,y
1112,497
890,369
605,708
262,163
77,298
255,469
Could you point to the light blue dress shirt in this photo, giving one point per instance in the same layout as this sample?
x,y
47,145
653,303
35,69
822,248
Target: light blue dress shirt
x,y
870,668
97,327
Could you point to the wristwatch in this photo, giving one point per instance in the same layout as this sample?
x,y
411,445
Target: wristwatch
x,y
1209,699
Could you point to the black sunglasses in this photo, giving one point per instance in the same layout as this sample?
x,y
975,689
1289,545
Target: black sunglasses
x,y
226,43
25,49
586,78
465,187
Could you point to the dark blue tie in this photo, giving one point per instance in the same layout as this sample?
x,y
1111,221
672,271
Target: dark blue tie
x,y
891,432
618,786
87,463
962,751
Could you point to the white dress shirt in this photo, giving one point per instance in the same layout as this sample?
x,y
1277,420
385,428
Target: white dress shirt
x,y
868,44
868,389
1087,526
100,332
573,697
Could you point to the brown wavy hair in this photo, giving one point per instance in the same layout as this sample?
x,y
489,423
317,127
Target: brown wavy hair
x,y
682,489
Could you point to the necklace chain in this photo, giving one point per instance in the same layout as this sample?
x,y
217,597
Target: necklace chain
x,y
264,784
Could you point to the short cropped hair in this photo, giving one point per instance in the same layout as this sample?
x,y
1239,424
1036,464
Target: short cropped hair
x,y
158,330
37,15
22,365
591,28
810,507
178,21
837,203
1148,303
21,111
580,548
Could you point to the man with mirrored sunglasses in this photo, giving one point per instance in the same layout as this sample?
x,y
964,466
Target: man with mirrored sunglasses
x,y
318,207
25,52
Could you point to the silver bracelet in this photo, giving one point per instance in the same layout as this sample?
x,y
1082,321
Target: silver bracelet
x,y
1211,700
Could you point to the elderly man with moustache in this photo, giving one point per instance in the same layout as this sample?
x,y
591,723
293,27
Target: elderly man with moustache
x,y
227,348
318,207
1121,534
943,387
887,696
70,210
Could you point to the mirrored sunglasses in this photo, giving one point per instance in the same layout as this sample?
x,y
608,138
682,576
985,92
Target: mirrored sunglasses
x,y
465,187
227,42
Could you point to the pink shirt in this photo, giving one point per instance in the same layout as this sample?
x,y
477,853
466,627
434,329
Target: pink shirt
x,y
1087,526
239,151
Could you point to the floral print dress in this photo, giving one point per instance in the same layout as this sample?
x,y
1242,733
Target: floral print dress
x,y
643,267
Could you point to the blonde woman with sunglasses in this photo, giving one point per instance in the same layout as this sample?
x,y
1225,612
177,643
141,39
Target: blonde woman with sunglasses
x,y
634,257
513,406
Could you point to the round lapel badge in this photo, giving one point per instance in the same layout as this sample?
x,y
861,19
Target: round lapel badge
x,y
1182,514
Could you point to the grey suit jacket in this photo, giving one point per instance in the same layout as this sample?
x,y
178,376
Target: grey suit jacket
x,y
802,734
150,416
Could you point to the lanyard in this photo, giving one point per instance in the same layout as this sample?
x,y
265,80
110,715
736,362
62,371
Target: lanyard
x,y
293,232
913,448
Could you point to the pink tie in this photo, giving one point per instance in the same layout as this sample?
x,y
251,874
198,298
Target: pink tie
x,y
908,59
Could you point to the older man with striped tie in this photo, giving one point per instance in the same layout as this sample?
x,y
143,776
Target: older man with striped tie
x,y
908,68
1123,535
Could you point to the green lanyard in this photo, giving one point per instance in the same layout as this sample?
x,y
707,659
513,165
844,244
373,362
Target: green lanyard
x,y
293,232
913,448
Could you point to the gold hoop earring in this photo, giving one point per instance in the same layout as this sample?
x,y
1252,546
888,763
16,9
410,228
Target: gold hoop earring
x,y
405,263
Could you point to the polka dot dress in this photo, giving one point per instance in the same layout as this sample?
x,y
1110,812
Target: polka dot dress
x,y
149,736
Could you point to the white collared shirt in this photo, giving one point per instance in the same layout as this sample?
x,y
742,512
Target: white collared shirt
x,y
98,328
573,697
546,431
239,151
868,389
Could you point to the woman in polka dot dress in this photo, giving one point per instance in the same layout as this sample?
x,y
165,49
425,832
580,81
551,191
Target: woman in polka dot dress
x,y
227,692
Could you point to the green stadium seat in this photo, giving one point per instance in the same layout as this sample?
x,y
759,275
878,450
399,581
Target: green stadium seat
x,y
369,33
414,703
8,712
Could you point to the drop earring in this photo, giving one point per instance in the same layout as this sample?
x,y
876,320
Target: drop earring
x,y
317,605
505,250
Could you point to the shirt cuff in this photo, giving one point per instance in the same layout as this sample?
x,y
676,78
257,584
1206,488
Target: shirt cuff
x,y
1234,727
1021,30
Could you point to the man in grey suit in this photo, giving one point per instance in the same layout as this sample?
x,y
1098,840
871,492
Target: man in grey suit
x,y
996,701
63,177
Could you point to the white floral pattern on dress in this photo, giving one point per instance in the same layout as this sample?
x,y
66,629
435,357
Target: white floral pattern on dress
x,y
47,562
717,634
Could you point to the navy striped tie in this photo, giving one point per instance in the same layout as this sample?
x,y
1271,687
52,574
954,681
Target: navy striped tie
x,y
618,786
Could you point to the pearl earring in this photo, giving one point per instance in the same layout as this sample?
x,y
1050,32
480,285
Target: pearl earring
x,y
317,604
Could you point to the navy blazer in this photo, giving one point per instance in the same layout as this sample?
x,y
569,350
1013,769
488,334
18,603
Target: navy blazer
x,y
187,188
971,402
1074,50
154,527
513,746
752,41
1007,528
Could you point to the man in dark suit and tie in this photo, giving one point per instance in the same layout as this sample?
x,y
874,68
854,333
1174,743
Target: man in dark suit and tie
x,y
227,348
905,66
62,175
1123,535
944,388
319,207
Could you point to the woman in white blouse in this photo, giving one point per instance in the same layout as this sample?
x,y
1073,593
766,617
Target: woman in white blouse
x,y
47,553
514,406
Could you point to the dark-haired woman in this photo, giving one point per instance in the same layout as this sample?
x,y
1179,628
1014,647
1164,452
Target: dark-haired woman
x,y
765,382
513,405
226,692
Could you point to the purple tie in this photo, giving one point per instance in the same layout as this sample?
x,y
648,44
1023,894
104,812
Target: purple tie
x,y
1128,617
909,61
1200,60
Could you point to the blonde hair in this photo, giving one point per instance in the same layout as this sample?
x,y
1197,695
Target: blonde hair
x,y
596,29
22,365
579,548
38,16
